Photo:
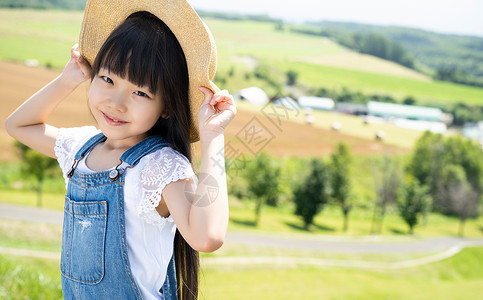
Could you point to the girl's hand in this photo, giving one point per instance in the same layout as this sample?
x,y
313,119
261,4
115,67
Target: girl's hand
x,y
216,111
77,69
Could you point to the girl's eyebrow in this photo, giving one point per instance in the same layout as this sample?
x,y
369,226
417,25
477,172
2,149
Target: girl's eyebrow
x,y
104,70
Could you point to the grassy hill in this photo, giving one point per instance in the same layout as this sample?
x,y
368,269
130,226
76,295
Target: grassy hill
x,y
435,50
242,46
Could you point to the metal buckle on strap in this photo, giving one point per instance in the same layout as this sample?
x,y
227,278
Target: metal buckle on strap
x,y
114,174
72,169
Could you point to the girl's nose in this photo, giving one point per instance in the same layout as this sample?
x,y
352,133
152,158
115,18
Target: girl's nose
x,y
117,101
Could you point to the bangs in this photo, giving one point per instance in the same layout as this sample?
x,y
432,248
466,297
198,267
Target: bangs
x,y
129,54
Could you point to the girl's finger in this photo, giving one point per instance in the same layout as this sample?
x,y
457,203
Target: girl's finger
x,y
223,97
84,66
74,51
208,95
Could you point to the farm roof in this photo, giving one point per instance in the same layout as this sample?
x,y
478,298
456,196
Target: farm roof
x,y
404,111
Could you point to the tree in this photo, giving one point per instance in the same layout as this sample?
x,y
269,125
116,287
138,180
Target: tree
x,y
291,77
263,182
427,161
388,179
409,100
36,165
376,45
432,153
414,202
340,180
457,195
279,26
469,155
311,196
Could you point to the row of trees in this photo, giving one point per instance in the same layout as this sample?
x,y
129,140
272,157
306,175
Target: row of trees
x,y
379,46
371,43
454,58
443,175
453,74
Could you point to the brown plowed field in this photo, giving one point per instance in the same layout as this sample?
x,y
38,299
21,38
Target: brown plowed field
x,y
18,82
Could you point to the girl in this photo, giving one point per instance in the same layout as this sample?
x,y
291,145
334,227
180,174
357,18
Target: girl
x,y
131,193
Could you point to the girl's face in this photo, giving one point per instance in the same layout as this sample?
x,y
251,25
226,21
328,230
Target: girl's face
x,y
124,111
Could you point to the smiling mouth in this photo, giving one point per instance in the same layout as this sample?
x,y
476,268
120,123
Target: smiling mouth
x,y
113,121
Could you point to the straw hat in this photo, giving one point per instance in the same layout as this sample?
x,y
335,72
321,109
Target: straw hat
x,y
101,17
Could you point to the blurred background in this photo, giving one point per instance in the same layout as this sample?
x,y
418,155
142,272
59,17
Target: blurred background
x,y
355,163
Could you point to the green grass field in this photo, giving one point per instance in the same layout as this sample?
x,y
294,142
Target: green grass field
x,y
48,35
454,278
43,35
433,92
459,277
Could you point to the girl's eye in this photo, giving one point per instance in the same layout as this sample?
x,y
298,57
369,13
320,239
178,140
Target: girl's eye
x,y
141,94
107,79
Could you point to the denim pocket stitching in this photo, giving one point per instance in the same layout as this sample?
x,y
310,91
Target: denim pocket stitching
x,y
68,249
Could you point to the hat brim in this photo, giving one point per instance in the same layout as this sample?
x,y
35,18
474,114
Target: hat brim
x,y
102,17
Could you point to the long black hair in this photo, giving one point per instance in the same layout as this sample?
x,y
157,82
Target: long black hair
x,y
145,51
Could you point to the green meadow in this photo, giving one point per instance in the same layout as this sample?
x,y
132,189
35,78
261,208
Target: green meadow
x,y
48,35
433,92
43,35
458,277
454,278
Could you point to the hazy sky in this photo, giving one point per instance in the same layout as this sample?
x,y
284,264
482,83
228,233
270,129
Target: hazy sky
x,y
446,16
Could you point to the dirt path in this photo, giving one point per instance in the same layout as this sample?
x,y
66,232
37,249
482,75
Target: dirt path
x,y
287,260
440,248
331,244
329,262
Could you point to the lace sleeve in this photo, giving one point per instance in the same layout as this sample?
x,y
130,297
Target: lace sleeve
x,y
68,142
159,169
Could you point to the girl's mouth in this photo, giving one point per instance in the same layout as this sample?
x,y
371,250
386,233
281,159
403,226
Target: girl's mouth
x,y
113,121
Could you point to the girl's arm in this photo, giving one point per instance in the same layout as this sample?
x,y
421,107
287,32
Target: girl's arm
x,y
27,123
202,217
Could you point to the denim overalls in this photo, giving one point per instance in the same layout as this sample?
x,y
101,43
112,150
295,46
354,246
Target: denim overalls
x,y
94,261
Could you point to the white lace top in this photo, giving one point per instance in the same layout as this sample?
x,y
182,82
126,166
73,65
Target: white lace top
x,y
150,237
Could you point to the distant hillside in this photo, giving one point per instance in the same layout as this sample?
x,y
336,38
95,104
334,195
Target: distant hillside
x,y
44,4
450,56
445,57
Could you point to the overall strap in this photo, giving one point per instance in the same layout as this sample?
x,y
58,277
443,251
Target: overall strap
x,y
89,145
143,148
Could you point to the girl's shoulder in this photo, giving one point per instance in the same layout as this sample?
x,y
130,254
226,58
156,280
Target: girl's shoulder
x,y
70,139
163,165
68,142
154,172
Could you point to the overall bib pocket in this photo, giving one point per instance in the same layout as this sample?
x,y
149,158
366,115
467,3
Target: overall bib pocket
x,y
83,240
